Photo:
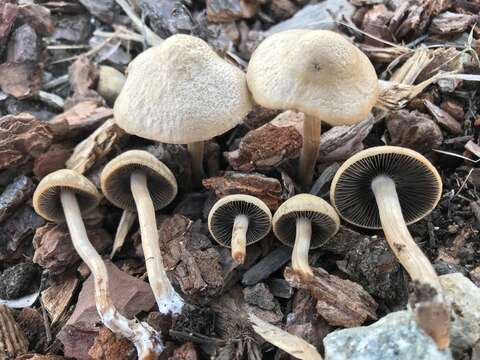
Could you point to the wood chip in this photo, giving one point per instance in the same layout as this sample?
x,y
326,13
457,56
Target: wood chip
x,y
56,298
95,147
12,340
443,118
340,302
289,343
268,265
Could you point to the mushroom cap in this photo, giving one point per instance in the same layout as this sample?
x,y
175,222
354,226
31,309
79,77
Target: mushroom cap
x,y
46,199
181,92
325,221
115,180
417,182
223,213
317,72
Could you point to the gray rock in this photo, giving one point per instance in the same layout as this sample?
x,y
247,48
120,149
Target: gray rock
x,y
316,17
394,337
464,298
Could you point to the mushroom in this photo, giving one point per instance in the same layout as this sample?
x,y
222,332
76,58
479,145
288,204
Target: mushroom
x,y
137,181
237,221
182,92
64,196
319,73
305,222
391,187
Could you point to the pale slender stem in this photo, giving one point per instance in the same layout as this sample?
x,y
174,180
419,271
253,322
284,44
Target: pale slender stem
x,y
312,129
196,151
301,248
431,310
239,238
126,222
146,340
167,299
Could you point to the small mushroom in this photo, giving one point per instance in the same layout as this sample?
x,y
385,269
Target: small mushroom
x,y
388,188
137,181
237,221
319,73
110,83
182,92
64,196
305,222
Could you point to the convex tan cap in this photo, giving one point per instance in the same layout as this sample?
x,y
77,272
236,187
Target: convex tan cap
x,y
115,179
181,92
324,219
417,183
317,72
222,217
46,199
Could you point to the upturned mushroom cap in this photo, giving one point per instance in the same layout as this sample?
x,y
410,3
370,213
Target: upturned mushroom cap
x,y
181,92
325,221
46,199
417,182
115,180
317,72
223,213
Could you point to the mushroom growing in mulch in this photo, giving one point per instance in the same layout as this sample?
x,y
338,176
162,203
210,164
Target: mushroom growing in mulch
x,y
319,73
305,222
237,221
137,181
182,92
388,188
64,196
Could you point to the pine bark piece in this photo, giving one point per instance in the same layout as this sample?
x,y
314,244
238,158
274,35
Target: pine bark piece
x,y
451,23
15,194
12,340
269,145
340,302
21,138
414,130
83,117
190,258
94,147
230,10
444,119
110,346
269,190
185,352
57,298
21,80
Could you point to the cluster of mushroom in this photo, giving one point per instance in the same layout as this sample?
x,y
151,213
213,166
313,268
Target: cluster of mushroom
x,y
182,92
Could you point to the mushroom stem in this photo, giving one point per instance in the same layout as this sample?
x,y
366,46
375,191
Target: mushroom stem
x,y
312,129
146,340
431,309
302,246
124,226
239,238
167,299
195,150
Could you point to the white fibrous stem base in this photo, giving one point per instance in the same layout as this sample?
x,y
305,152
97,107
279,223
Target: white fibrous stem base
x,y
239,238
432,310
147,341
301,248
168,301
